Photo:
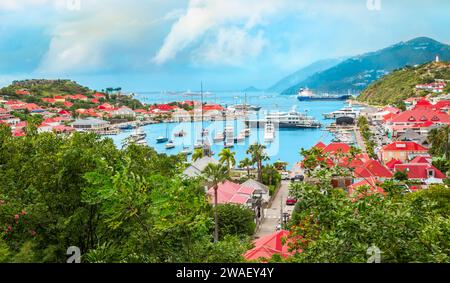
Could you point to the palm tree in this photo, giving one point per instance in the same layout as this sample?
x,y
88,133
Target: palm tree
x,y
439,139
246,163
257,151
198,154
215,174
270,171
227,157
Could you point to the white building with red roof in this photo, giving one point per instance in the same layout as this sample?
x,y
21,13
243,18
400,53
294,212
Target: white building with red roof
x,y
402,151
232,193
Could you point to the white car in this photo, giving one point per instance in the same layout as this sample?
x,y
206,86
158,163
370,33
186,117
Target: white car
x,y
284,175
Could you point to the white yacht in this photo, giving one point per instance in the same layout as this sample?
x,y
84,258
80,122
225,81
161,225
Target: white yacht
x,y
240,137
229,136
344,112
219,137
291,119
138,137
269,132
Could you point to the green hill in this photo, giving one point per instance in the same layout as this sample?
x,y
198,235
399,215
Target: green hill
x,y
356,73
400,84
41,88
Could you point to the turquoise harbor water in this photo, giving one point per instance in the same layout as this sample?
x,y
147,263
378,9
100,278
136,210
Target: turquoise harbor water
x,y
287,142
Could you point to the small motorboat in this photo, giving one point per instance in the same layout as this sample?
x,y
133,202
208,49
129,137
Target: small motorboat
x,y
170,145
180,134
186,150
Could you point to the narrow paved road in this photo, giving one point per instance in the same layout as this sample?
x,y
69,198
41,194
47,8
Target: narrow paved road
x,y
360,140
273,213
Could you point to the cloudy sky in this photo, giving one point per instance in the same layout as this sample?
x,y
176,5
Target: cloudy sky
x,y
145,45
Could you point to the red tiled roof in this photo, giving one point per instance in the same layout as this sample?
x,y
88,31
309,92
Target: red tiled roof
x,y
99,95
419,170
372,183
68,104
229,192
320,145
404,146
269,245
337,146
420,115
22,92
49,100
391,164
212,107
372,168
105,106
442,104
421,159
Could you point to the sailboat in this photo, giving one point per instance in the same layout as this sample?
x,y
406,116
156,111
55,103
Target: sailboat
x,y
162,139
170,145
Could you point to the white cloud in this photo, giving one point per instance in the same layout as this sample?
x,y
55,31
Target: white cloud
x,y
206,15
30,4
231,47
99,36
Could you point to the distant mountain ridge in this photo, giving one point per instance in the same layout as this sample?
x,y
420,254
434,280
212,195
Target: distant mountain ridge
x,y
356,73
303,73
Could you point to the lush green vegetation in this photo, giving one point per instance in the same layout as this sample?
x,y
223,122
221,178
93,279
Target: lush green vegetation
x,y
115,205
400,84
440,148
329,226
364,129
235,220
49,88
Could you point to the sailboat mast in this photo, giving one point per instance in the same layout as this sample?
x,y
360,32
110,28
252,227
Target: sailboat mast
x,y
203,129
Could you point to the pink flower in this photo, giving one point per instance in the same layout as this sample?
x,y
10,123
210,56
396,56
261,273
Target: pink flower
x,y
16,216
2,202
33,233
9,228
24,212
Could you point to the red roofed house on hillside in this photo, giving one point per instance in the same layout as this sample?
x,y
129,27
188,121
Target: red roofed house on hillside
x,y
49,100
59,99
229,192
105,106
422,159
421,171
267,246
335,147
372,183
372,169
412,118
391,164
99,95
402,151
79,97
22,92
423,104
68,104
320,145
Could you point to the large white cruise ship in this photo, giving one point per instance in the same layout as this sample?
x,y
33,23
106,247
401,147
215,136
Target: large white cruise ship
x,y
291,119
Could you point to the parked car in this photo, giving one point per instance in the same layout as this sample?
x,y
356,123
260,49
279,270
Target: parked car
x,y
298,178
284,175
291,201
